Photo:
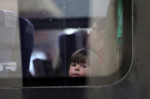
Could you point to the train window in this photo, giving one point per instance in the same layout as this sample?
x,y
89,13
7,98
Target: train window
x,y
66,42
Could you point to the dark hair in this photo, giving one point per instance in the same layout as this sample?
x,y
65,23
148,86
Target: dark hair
x,y
80,56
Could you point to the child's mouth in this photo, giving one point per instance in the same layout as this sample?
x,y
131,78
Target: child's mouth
x,y
75,75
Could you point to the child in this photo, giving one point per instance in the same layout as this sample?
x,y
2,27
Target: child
x,y
79,63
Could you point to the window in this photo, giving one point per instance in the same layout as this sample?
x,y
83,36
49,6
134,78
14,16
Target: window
x,y
71,42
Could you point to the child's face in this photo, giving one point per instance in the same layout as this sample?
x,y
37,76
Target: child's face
x,y
79,70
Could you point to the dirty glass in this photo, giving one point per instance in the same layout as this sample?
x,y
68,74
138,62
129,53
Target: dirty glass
x,y
64,42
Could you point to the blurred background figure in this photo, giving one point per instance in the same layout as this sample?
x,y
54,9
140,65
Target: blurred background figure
x,y
103,40
95,43
113,40
96,37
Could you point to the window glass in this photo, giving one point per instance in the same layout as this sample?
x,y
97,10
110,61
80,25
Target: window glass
x,y
66,42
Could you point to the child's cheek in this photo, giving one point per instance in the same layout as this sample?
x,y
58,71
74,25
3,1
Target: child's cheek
x,y
85,72
70,71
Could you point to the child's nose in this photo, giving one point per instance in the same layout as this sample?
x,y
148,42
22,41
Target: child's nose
x,y
77,68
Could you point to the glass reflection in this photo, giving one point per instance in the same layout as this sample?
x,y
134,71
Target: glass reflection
x,y
51,31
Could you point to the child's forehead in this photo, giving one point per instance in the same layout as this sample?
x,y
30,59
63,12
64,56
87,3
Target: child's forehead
x,y
79,62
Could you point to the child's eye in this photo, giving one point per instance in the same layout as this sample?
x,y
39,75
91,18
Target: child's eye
x,y
73,64
84,66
